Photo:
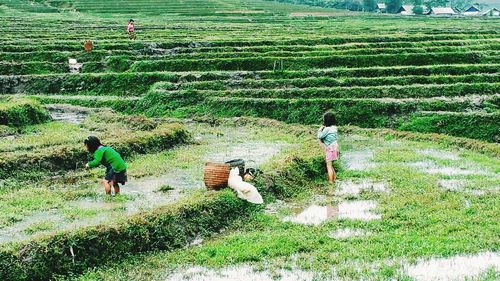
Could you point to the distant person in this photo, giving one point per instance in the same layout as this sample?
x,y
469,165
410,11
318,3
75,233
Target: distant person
x,y
116,169
131,29
328,135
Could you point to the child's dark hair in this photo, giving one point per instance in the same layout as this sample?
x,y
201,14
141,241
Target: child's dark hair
x,y
329,119
130,20
92,143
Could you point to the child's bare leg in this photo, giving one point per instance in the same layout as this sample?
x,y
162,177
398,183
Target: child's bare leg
x,y
334,178
331,172
107,186
116,187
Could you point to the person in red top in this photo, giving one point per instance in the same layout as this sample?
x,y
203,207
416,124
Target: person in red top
x,y
131,29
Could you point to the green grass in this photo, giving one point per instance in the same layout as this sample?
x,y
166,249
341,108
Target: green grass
x,y
44,135
17,112
39,226
165,188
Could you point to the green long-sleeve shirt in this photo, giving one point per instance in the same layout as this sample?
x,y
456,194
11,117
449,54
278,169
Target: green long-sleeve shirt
x,y
107,156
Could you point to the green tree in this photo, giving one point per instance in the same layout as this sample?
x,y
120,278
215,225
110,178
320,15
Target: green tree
x,y
417,7
354,5
464,4
436,3
369,5
418,10
392,6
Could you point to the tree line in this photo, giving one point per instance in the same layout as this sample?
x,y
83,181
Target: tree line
x,y
392,6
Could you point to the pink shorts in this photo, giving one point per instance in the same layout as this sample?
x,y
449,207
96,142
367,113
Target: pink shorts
x,y
332,152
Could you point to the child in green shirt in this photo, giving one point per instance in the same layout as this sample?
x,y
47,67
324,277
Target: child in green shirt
x,y
327,135
116,169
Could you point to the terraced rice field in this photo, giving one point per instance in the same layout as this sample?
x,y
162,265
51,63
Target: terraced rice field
x,y
431,75
417,101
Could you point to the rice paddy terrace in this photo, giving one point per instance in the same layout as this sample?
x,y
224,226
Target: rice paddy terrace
x,y
229,59
417,100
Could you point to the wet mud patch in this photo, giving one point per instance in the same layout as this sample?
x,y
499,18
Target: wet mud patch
x,y
274,208
283,208
346,233
431,167
241,272
363,210
468,187
253,152
314,215
453,184
76,214
136,196
69,113
358,160
20,230
70,117
351,188
146,193
440,154
198,240
359,210
460,267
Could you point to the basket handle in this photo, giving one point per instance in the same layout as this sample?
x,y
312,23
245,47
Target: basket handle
x,y
251,161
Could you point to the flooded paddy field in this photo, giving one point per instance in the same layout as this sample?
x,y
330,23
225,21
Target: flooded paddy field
x,y
392,219
400,208
70,199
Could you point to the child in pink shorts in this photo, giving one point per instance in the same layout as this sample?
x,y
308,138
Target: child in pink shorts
x,y
327,135
131,29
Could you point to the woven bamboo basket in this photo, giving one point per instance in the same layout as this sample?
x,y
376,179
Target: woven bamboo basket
x,y
88,45
216,175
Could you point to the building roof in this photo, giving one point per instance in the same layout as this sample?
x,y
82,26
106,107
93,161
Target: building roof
x,y
407,8
442,11
486,12
472,8
381,6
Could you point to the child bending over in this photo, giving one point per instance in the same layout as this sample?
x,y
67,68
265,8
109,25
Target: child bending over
x,y
116,169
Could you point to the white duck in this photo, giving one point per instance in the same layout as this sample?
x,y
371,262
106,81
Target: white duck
x,y
244,190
